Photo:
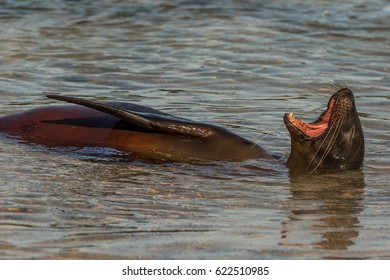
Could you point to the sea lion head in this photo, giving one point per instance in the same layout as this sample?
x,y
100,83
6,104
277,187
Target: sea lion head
x,y
335,141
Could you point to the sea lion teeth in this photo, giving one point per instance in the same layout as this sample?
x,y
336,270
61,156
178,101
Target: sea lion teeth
x,y
292,118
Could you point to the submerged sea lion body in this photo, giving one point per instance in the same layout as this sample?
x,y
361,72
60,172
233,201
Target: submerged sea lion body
x,y
166,138
334,142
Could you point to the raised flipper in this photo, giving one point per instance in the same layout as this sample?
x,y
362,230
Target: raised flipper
x,y
144,117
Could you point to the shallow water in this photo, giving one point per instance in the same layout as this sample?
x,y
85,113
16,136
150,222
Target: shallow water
x,y
240,64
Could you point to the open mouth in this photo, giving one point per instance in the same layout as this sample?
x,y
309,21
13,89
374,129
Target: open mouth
x,y
314,129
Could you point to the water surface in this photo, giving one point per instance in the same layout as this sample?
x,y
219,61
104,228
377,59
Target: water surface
x,y
240,64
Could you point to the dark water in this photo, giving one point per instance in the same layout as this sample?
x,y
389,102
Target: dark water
x,y
241,64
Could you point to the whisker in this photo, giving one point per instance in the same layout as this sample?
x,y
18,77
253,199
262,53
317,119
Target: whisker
x,y
335,85
265,135
310,111
337,130
280,126
322,143
328,148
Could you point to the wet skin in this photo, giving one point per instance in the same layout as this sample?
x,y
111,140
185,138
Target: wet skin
x,y
335,141
145,133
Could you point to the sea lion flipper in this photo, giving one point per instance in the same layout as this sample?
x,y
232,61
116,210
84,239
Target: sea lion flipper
x,y
108,109
148,119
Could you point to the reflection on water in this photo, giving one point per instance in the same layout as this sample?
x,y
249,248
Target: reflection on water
x,y
324,209
240,64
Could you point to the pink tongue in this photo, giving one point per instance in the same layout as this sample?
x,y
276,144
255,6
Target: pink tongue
x,y
315,130
311,130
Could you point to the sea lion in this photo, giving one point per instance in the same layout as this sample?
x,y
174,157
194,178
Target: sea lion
x,y
334,141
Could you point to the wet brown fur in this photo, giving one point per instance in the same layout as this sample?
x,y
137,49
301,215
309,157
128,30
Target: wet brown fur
x,y
78,126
